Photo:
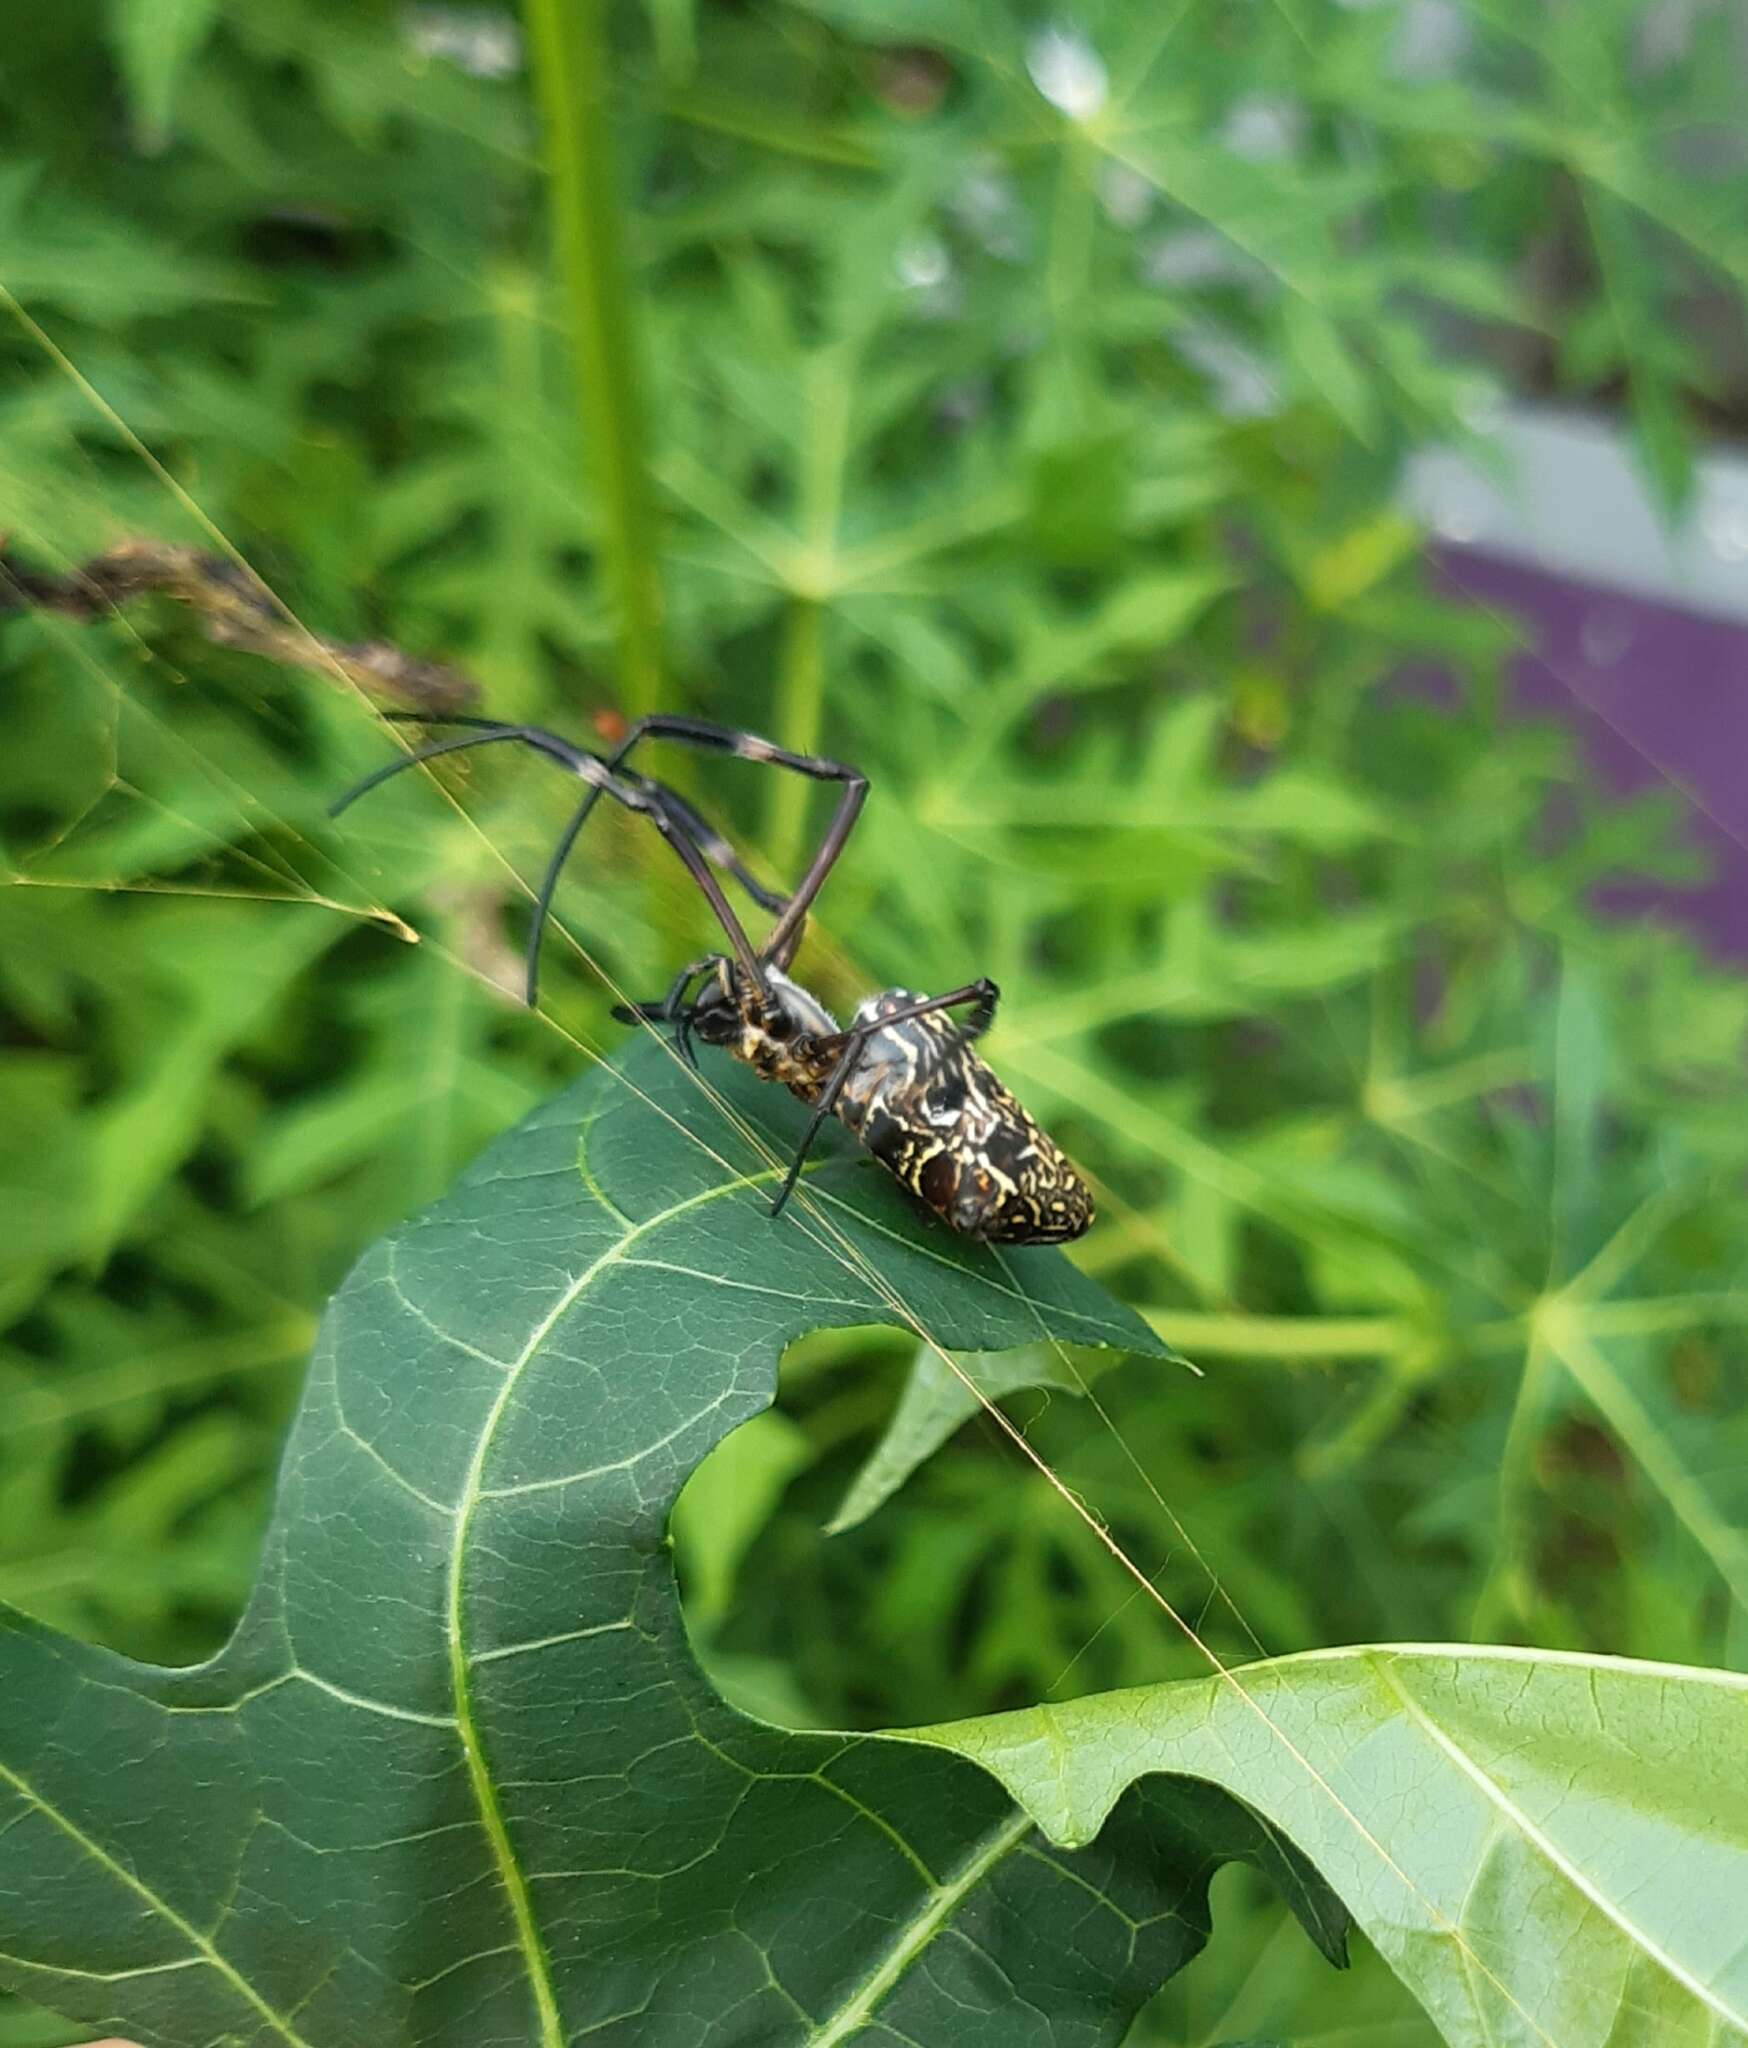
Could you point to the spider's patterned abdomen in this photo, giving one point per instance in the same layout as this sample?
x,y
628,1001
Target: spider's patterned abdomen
x,y
939,1119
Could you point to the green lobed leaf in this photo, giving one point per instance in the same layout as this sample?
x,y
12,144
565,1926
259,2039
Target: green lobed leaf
x,y
1549,1849
935,1402
457,1778
937,1399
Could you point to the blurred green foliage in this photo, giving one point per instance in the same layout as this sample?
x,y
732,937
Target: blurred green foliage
x,y
1020,399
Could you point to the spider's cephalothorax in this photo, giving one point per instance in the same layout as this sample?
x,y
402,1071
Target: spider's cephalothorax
x,y
776,1031
901,1076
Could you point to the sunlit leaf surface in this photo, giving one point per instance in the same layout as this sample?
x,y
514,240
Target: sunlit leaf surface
x,y
1550,1850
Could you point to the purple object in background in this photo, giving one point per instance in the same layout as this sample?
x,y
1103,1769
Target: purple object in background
x,y
1658,697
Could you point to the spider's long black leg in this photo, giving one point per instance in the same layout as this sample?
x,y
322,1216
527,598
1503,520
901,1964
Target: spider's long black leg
x,y
481,732
785,935
982,992
696,866
543,902
708,841
712,845
553,745
650,801
445,718
633,794
682,814
411,759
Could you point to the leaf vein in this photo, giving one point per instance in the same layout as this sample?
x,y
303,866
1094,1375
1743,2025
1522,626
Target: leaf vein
x,y
437,1330
204,1951
918,1931
366,1703
569,1635
1549,1850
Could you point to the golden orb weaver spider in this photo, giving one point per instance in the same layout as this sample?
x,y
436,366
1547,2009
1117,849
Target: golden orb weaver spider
x,y
902,1078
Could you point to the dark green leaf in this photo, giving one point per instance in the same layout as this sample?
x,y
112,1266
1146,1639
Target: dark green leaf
x,y
457,1778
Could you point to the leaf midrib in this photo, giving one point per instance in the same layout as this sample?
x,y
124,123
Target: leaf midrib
x,y
510,1873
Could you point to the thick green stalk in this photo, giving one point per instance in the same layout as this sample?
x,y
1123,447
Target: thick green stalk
x,y
568,45
800,706
799,715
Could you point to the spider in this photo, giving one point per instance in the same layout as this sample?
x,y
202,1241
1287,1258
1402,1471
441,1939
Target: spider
x,y
902,1078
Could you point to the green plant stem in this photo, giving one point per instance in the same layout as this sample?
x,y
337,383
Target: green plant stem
x,y
1282,1338
1504,1598
800,696
568,44
816,577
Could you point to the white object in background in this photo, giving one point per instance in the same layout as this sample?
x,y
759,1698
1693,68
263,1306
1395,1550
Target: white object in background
x,y
1563,492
